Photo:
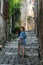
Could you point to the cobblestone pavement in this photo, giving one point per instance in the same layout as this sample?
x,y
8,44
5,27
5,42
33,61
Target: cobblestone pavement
x,y
9,54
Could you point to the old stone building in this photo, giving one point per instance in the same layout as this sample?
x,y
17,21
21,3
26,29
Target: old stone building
x,y
5,14
30,9
41,28
2,29
24,14
26,11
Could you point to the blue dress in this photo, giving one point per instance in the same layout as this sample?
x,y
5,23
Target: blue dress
x,y
23,36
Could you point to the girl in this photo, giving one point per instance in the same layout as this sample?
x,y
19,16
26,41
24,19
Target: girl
x,y
22,41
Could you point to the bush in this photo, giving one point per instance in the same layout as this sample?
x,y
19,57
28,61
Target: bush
x,y
11,36
16,30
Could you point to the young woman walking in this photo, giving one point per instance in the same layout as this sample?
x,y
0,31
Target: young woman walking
x,y
22,41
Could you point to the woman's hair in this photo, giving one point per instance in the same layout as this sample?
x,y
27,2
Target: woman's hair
x,y
23,28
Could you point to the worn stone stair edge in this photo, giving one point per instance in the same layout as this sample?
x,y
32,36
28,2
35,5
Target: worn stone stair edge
x,y
26,43
33,54
25,47
5,64
19,64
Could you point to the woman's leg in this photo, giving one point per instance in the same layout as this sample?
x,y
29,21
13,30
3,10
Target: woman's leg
x,y
22,51
18,48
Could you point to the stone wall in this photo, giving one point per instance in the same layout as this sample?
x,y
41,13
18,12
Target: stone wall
x,y
2,28
26,11
41,27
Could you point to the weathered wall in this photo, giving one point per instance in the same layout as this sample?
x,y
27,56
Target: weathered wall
x,y
5,14
1,26
41,27
26,11
2,30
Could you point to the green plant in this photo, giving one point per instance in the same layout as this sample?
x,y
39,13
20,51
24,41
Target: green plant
x,y
14,9
13,6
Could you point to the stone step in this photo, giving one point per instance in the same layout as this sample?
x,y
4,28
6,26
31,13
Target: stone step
x,y
27,40
7,53
30,54
32,39
19,64
29,43
11,44
31,34
33,54
26,51
33,47
12,47
32,44
6,64
27,47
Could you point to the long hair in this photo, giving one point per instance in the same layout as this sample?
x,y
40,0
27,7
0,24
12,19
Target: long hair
x,y
23,28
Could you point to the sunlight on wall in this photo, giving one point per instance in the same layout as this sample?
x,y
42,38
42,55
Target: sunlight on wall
x,y
27,10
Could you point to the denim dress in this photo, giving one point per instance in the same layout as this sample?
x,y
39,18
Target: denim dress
x,y
23,36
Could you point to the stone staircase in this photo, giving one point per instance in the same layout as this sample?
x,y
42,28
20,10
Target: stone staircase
x,y
9,54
